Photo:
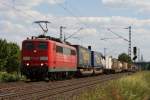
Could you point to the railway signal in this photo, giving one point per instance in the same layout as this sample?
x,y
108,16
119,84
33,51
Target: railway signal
x,y
135,53
135,50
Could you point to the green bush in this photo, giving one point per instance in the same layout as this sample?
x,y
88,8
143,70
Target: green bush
x,y
9,56
7,77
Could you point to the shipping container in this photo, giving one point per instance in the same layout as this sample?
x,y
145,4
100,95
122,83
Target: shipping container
x,y
114,63
83,56
96,59
116,66
108,62
120,65
124,66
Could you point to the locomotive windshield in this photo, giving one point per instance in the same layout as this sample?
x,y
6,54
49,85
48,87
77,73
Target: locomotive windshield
x,y
42,45
28,46
32,45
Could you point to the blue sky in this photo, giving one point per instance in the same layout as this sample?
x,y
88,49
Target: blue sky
x,y
89,8
94,16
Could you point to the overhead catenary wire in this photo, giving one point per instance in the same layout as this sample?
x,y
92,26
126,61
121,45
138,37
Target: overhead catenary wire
x,y
73,34
118,35
73,8
22,12
18,10
109,38
72,14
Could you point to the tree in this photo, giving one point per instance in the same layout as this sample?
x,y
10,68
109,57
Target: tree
x,y
13,60
9,56
124,58
3,54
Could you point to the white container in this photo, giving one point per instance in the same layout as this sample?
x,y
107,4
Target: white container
x,y
108,62
120,65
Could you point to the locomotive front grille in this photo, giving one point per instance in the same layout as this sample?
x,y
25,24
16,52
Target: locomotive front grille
x,y
35,70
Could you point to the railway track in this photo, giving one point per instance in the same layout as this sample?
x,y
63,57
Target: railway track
x,y
53,90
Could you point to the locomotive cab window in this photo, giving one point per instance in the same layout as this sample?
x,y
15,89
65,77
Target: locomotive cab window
x,y
42,45
66,51
59,49
28,46
73,52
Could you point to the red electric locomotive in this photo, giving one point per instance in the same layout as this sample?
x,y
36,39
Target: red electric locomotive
x,y
44,56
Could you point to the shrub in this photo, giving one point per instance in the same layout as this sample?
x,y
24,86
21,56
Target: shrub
x,y
7,77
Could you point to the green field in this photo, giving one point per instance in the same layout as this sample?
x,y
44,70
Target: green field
x,y
134,87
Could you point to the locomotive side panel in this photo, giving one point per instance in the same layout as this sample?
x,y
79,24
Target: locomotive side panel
x,y
64,58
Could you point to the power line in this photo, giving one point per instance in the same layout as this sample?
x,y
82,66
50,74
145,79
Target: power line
x,y
118,35
73,8
109,38
22,11
18,10
72,14
73,34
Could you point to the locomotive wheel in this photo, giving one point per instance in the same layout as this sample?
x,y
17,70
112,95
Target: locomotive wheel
x,y
52,76
70,75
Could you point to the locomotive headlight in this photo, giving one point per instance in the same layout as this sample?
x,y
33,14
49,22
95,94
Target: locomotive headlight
x,y
26,58
42,64
27,64
44,58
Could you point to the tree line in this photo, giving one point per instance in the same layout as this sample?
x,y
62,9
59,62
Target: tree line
x,y
9,56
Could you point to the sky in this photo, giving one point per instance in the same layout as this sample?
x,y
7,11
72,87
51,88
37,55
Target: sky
x,y
90,20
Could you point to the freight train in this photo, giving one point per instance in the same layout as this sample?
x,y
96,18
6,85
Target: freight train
x,y
52,58
48,57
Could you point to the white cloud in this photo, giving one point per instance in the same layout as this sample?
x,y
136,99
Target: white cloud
x,y
17,25
27,4
139,5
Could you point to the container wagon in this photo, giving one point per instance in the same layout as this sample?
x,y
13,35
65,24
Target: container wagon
x,y
116,66
83,60
124,66
107,64
96,62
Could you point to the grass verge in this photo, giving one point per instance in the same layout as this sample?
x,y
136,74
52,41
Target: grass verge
x,y
135,87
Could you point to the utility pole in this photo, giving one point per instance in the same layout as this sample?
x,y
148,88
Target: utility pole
x,y
139,58
61,35
130,45
142,58
105,51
